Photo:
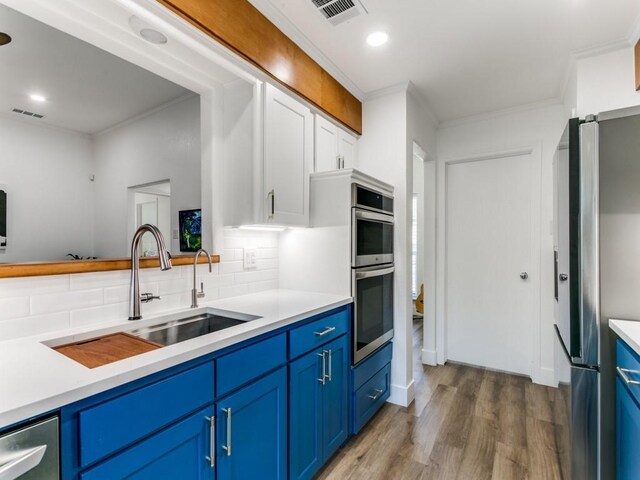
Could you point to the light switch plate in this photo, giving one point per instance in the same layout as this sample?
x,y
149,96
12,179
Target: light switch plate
x,y
250,255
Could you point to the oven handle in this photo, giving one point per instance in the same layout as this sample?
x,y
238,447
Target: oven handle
x,y
374,273
378,217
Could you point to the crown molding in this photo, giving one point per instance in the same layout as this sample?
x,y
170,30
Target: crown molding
x,y
39,123
549,102
280,20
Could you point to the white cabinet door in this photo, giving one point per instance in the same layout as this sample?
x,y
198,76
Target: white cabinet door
x,y
288,155
326,141
347,149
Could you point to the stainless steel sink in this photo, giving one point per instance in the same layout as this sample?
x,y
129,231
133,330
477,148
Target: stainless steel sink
x,y
193,326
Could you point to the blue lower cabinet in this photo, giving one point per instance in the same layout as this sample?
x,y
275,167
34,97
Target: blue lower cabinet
x,y
179,452
335,401
319,415
251,430
628,433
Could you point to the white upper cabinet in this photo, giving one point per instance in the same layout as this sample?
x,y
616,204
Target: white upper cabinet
x,y
347,149
288,156
334,147
267,157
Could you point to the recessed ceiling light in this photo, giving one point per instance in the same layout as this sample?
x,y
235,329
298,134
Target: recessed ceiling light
x,y
147,31
153,36
377,38
4,39
37,98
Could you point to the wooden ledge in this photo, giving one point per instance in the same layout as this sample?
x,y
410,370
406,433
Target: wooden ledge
x,y
34,269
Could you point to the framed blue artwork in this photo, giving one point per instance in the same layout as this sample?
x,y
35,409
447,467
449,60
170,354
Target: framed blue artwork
x,y
190,222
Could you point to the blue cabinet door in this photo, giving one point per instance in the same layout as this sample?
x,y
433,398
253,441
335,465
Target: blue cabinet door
x,y
251,430
335,397
305,397
628,433
179,451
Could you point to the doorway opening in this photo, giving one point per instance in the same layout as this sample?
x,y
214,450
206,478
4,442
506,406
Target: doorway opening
x,y
151,203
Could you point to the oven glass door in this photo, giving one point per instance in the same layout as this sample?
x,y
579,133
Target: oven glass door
x,y
372,238
373,310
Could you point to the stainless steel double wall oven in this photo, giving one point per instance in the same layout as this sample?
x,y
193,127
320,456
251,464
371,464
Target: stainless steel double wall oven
x,y
372,269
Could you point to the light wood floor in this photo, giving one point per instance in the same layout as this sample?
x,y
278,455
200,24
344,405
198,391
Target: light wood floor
x,y
466,423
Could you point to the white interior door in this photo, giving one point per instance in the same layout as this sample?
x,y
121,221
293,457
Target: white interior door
x,y
489,314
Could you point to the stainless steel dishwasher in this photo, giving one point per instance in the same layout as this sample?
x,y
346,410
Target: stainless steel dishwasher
x,y
31,452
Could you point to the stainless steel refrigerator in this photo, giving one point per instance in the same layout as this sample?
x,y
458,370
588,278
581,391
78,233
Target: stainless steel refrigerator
x,y
597,275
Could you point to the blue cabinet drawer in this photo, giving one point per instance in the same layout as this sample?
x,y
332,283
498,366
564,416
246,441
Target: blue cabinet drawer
x,y
237,368
117,423
178,452
629,362
368,367
326,328
370,397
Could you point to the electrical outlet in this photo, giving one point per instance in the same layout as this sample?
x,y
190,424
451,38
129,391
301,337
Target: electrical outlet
x,y
250,257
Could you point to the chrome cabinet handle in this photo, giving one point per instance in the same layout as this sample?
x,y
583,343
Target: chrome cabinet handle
x,y
271,197
323,377
325,331
212,441
227,447
330,376
377,394
338,161
342,160
623,373
28,460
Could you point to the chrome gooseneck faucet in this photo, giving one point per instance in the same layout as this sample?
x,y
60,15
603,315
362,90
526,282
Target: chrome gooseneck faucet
x,y
165,264
195,294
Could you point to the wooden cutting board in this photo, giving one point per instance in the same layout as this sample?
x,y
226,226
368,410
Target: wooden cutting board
x,y
99,351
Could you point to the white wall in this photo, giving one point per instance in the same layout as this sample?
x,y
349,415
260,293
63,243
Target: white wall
x,y
34,305
606,82
418,191
382,153
422,129
541,127
49,194
164,144
391,122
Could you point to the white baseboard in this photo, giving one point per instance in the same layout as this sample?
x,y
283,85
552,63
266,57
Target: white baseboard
x,y
402,395
546,376
429,357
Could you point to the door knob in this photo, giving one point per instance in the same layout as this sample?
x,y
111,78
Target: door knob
x,y
563,277
524,275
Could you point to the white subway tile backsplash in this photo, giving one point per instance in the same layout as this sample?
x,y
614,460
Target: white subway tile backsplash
x,y
25,286
14,307
103,313
87,281
23,327
66,301
231,267
34,305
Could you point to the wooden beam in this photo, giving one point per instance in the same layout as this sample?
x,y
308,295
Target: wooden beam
x,y
34,269
243,29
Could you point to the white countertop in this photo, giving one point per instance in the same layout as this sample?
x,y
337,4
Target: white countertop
x,y
35,379
629,331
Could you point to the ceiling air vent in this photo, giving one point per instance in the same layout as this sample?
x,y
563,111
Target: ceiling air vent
x,y
339,11
27,113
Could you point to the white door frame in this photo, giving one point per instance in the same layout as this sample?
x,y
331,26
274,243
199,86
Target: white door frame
x,y
535,151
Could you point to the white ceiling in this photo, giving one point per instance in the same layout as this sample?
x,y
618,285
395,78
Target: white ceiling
x,y
87,89
464,56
